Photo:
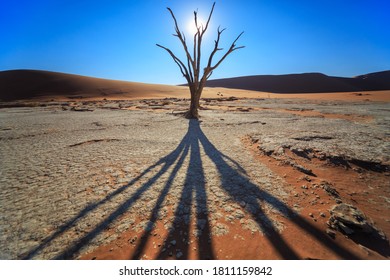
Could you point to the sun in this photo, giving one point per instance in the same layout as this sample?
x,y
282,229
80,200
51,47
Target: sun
x,y
191,28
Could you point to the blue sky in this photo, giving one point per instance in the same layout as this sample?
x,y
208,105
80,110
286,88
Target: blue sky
x,y
116,39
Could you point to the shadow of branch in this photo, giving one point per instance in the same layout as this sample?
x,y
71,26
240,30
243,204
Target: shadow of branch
x,y
235,184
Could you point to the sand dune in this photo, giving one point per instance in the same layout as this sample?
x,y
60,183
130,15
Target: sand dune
x,y
306,83
44,85
28,84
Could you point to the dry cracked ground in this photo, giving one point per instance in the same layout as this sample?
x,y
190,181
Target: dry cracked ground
x,y
254,179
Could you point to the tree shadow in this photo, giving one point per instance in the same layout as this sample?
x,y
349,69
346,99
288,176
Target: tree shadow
x,y
254,197
192,194
374,241
233,181
164,163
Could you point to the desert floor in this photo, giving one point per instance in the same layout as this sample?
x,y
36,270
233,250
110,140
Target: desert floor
x,y
255,178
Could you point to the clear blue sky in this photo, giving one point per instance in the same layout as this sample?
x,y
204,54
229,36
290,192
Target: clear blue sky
x,y
116,39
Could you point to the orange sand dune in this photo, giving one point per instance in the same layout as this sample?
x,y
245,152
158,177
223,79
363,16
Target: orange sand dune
x,y
307,83
45,85
32,84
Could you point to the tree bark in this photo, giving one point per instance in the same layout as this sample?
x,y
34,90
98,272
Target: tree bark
x,y
193,112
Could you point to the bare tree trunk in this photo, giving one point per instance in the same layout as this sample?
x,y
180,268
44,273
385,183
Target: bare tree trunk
x,y
198,99
193,111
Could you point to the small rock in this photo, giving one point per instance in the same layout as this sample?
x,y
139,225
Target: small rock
x,y
179,254
331,233
303,169
322,214
173,242
311,215
330,190
365,249
133,240
348,219
306,178
347,230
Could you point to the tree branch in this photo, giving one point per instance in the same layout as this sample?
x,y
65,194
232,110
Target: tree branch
x,y
231,49
182,39
182,67
215,47
208,20
200,37
192,71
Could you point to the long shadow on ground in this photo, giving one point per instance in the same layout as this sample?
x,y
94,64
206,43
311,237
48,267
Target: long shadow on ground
x,y
234,182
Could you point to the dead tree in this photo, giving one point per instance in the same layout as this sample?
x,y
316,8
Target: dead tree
x,y
192,70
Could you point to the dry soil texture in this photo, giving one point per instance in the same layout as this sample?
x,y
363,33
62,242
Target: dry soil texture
x,y
254,179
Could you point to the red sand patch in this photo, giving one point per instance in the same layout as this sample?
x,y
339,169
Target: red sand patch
x,y
304,235
366,190
302,112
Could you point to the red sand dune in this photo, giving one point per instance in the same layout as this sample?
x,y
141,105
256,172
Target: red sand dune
x,y
33,84
45,85
306,83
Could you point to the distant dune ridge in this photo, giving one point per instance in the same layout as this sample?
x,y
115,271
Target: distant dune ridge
x,y
306,83
30,84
